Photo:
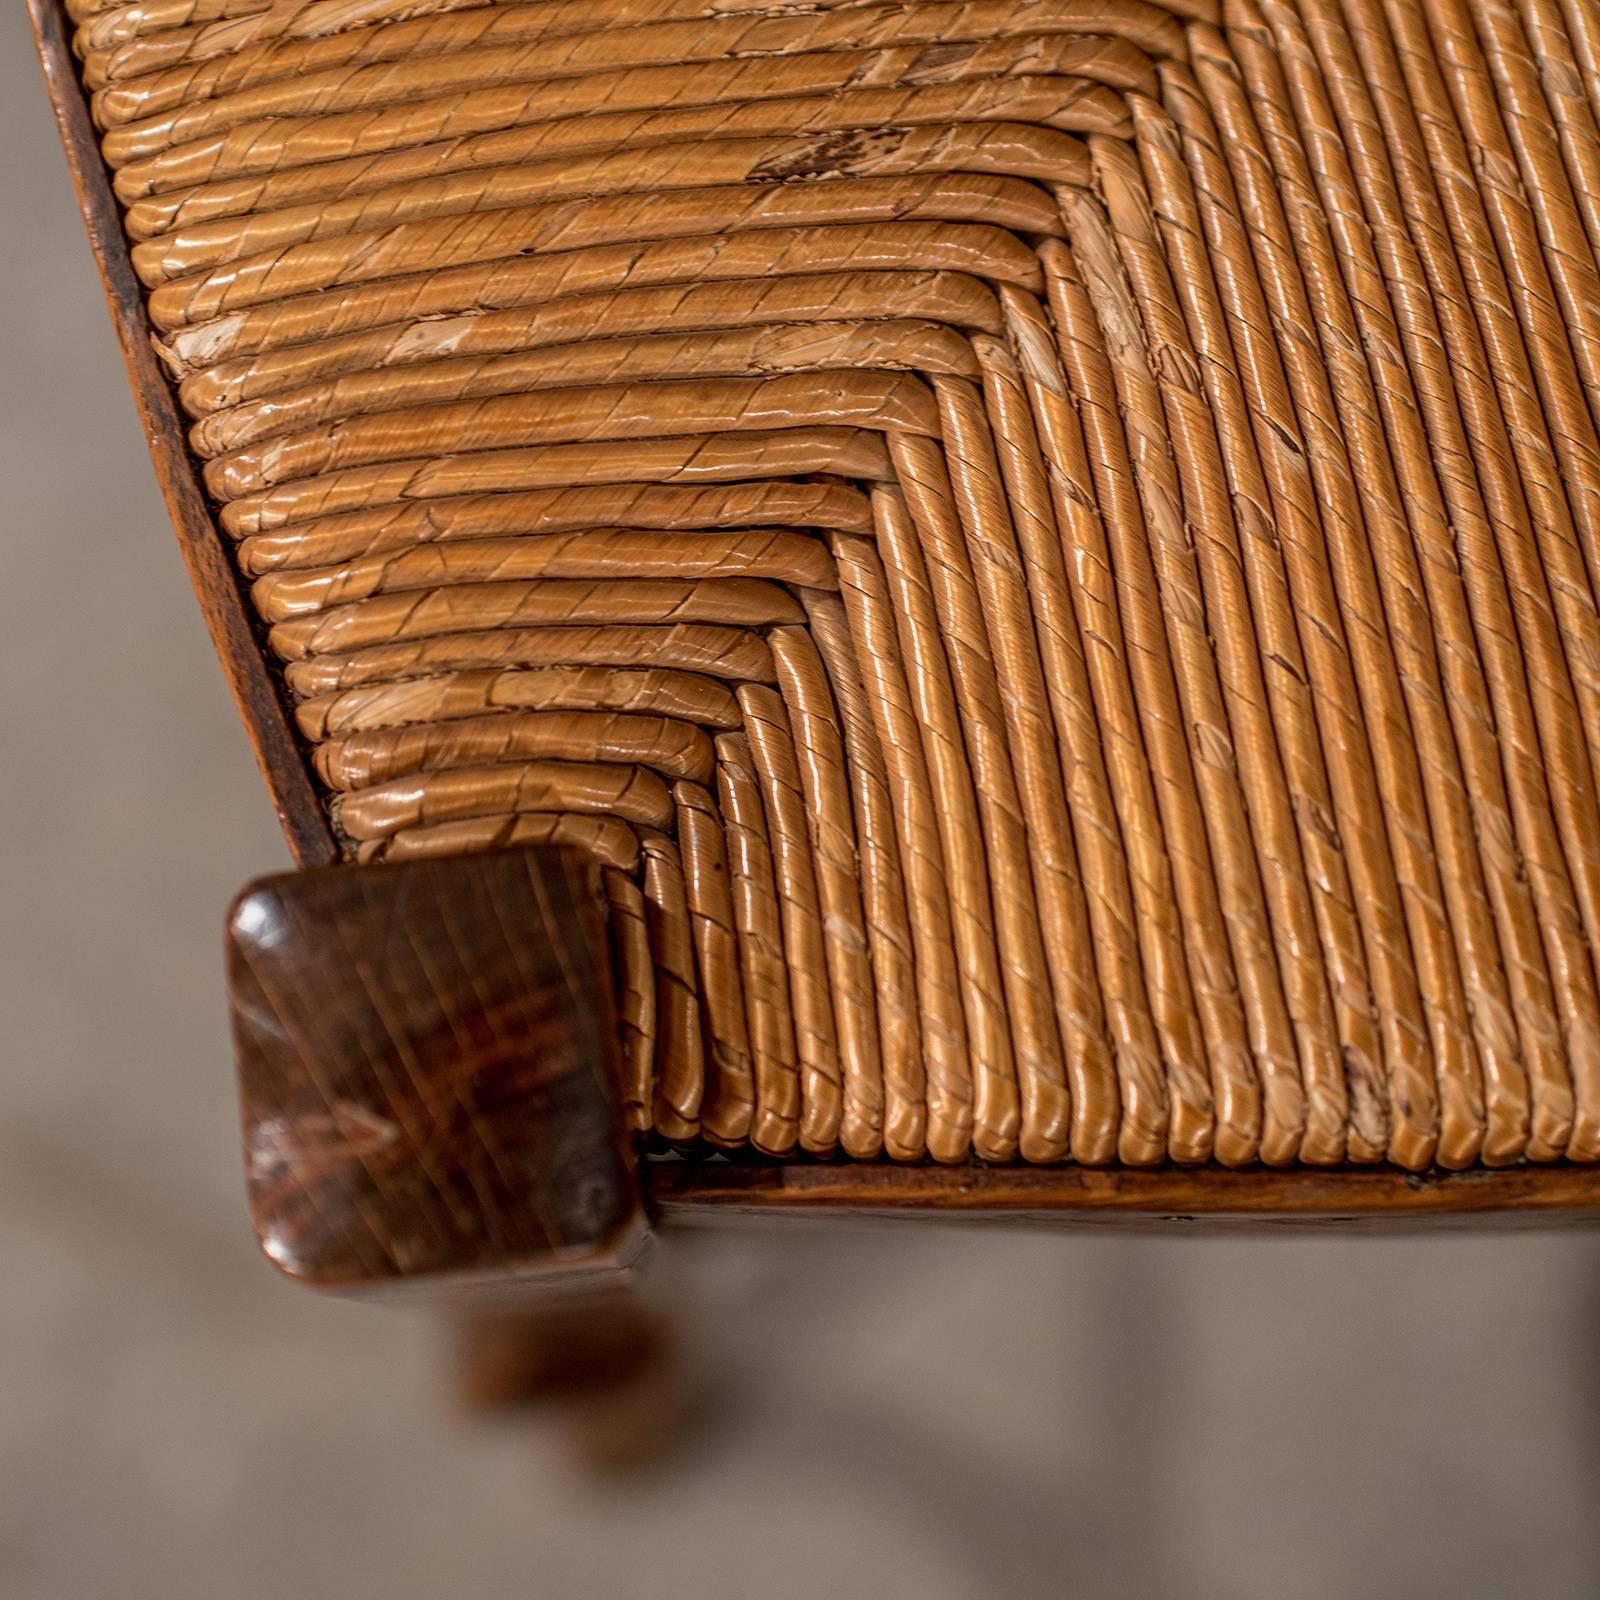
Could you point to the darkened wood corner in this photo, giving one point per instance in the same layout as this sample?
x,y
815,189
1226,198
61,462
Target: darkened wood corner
x,y
427,1074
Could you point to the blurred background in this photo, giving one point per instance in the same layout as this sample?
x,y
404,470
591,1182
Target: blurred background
x,y
901,1411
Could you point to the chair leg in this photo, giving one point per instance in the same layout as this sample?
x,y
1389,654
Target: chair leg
x,y
606,1367
428,1075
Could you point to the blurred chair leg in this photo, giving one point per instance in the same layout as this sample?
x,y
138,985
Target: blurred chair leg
x,y
606,1368
429,1079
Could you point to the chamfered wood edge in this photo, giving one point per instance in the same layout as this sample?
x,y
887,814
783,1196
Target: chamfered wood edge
x,y
1370,1198
209,563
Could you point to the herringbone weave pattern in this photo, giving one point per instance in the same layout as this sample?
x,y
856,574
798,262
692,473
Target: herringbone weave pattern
x,y
1050,546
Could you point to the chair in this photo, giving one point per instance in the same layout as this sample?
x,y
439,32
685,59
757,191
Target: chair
x,y
969,607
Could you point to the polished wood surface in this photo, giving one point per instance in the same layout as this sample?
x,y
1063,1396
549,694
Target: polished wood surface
x,y
427,1073
1366,1198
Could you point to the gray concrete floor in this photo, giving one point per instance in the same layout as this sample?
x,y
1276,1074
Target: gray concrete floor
x,y
908,1413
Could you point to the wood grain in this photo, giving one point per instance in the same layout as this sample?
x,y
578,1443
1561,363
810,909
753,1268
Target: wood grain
x,y
427,1071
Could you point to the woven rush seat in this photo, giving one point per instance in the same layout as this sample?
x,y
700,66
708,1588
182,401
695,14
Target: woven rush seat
x,y
1048,548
